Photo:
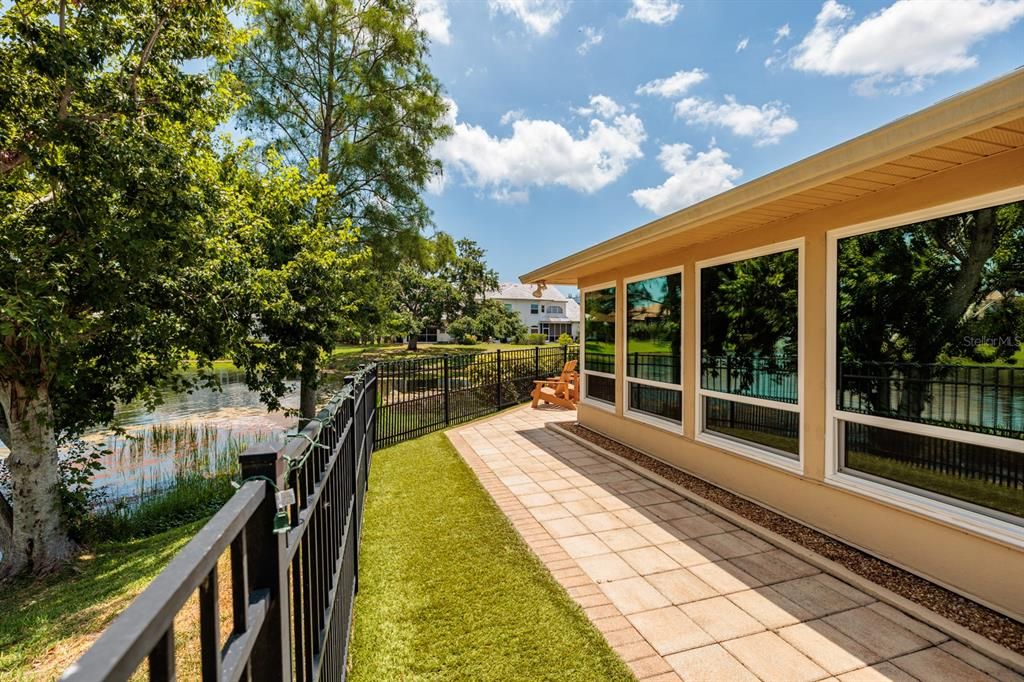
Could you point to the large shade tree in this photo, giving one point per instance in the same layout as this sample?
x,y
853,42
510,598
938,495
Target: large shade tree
x,y
345,83
110,253
296,287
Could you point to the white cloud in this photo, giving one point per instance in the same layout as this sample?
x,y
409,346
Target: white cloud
x,y
742,45
541,153
781,33
433,18
654,11
603,106
540,16
592,37
510,196
896,49
674,85
767,124
691,178
512,115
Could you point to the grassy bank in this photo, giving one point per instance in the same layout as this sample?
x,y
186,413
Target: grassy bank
x,y
46,624
448,591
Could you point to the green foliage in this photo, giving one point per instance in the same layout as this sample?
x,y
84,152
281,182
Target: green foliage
x,y
189,499
494,321
462,330
301,270
565,340
912,294
114,251
346,84
535,339
447,284
109,197
749,308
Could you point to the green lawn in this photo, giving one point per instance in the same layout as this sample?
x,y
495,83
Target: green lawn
x,y
1002,498
448,591
46,624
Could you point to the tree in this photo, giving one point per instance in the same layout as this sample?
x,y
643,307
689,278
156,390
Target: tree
x,y
344,82
448,283
296,289
420,301
111,253
465,266
494,321
905,295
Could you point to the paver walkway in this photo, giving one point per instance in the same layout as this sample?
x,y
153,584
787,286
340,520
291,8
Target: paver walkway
x,y
684,594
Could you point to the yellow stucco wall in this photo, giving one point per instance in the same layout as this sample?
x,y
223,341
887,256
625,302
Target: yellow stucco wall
x,y
989,570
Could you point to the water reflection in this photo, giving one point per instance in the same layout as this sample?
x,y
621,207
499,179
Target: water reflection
x,y
192,431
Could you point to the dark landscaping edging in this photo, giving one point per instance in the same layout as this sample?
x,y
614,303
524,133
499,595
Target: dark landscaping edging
x,y
1002,639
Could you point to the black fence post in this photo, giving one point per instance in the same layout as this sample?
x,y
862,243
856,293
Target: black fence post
x,y
447,413
497,403
268,568
536,362
565,355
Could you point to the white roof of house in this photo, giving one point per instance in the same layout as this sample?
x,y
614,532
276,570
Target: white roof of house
x,y
516,291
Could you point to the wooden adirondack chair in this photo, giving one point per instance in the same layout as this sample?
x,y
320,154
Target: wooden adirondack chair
x,y
562,390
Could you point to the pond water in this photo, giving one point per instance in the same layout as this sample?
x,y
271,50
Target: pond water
x,y
199,430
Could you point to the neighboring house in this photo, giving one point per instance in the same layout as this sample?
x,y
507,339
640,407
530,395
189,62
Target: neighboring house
x,y
788,431
553,314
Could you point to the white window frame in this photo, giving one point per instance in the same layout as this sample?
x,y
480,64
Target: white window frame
x,y
535,308
555,309
635,415
744,449
584,398
919,501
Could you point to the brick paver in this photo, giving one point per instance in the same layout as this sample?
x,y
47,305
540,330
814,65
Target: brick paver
x,y
682,594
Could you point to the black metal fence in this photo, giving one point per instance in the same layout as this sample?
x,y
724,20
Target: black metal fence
x,y
294,564
771,378
970,398
422,395
949,458
654,366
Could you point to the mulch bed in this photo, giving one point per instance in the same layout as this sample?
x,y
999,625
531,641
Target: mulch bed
x,y
962,611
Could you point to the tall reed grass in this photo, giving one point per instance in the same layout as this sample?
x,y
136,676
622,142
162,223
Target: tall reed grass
x,y
169,475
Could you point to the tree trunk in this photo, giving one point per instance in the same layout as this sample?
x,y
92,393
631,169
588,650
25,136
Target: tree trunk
x,y
413,340
39,541
307,389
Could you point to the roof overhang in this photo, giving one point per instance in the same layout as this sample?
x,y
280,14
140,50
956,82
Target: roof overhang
x,y
973,125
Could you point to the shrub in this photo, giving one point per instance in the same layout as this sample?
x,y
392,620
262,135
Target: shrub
x,y
462,330
984,353
536,339
565,340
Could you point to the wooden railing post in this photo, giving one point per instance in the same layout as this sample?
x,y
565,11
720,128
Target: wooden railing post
x,y
268,568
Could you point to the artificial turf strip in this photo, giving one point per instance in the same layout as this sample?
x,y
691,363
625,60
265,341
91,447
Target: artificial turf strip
x,y
448,590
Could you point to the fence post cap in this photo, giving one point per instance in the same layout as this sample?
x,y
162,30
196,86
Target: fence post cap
x,y
259,453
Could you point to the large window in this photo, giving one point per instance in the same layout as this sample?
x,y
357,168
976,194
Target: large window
x,y
653,353
929,358
599,344
749,395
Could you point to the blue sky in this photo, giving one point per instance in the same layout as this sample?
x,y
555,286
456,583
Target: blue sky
x,y
695,97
